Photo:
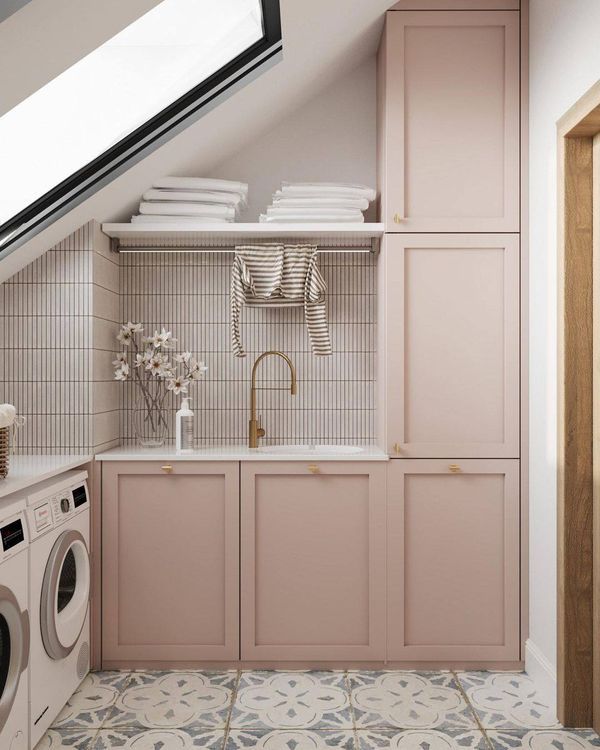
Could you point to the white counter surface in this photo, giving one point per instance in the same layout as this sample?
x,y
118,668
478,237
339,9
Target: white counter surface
x,y
242,453
25,471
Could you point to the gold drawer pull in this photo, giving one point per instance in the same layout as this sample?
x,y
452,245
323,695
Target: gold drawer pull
x,y
314,469
396,448
167,468
455,468
398,219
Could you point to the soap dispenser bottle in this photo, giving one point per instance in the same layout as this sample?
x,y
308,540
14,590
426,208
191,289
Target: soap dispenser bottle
x,y
184,427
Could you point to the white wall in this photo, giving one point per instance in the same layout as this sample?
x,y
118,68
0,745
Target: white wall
x,y
564,63
331,138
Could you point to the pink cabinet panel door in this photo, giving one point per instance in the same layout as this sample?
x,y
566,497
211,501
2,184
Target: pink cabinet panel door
x,y
453,560
170,544
452,345
313,561
449,121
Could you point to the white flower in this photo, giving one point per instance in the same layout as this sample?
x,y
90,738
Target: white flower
x,y
178,385
120,360
164,339
140,359
124,336
135,327
197,369
122,372
184,357
155,364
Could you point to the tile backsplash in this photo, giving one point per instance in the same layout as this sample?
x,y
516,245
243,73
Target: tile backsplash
x,y
189,294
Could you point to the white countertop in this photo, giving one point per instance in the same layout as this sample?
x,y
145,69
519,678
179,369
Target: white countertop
x,y
242,453
25,471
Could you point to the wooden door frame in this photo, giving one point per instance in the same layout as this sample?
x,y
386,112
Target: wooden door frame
x,y
578,664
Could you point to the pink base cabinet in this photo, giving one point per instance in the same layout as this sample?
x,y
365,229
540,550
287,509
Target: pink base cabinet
x,y
453,560
313,561
170,543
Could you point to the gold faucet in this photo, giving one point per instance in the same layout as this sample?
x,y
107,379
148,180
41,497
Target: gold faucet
x,y
255,429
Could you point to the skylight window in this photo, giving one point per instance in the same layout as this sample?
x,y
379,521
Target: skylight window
x,y
122,99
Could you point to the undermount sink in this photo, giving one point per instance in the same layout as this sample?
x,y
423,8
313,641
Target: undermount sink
x,y
311,449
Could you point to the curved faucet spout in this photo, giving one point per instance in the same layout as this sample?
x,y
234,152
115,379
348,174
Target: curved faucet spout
x,y
255,429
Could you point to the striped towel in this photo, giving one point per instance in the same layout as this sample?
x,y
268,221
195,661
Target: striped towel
x,y
280,276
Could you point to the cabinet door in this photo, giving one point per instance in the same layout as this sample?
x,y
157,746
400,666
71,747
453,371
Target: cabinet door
x,y
170,562
450,124
313,561
453,560
452,345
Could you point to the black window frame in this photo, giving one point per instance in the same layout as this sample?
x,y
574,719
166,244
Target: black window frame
x,y
147,137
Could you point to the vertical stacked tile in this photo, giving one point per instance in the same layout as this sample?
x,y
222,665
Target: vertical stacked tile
x,y
47,335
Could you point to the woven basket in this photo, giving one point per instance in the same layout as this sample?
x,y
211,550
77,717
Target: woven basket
x,y
4,451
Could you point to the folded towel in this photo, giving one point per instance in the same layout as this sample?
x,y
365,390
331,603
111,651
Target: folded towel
x,y
150,219
324,188
197,196
8,415
303,218
201,183
281,200
350,213
168,208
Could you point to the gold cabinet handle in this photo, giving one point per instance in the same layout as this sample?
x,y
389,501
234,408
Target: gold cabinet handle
x,y
396,448
398,219
454,469
314,469
167,468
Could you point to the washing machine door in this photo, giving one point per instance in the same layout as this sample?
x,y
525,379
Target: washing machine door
x,y
14,650
65,594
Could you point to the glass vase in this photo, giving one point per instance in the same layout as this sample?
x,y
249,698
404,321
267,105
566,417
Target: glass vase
x,y
150,417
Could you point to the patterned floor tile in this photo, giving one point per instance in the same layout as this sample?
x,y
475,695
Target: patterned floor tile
x,y
409,700
74,739
92,702
169,700
507,700
292,700
421,739
159,739
286,739
549,739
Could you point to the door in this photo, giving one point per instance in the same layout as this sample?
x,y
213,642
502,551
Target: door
x,y
453,560
170,543
65,593
14,644
313,561
452,345
450,125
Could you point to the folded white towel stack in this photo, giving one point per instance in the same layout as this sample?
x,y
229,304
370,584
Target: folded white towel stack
x,y
192,199
319,202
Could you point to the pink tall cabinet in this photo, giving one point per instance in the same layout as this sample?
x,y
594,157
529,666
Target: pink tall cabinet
x,y
450,356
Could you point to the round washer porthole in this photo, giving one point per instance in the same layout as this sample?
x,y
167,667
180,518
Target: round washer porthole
x,y
14,650
65,594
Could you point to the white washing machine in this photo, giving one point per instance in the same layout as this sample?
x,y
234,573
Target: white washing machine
x,y
59,591
14,626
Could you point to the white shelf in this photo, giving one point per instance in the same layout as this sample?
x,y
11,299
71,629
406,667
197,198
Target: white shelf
x,y
180,236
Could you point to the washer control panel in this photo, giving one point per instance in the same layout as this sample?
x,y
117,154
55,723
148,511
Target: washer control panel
x,y
13,536
62,507
56,502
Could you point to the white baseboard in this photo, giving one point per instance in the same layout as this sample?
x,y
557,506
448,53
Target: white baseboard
x,y
541,672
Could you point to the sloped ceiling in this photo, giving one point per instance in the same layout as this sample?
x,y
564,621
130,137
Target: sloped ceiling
x,y
323,40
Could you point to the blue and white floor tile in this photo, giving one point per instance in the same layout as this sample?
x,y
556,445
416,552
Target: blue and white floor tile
x,y
92,702
168,700
507,700
409,700
304,710
290,739
292,700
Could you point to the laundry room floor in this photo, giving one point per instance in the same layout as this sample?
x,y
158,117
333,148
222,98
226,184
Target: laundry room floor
x,y
310,711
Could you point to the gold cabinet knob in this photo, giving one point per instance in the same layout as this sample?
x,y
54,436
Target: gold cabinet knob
x,y
167,468
314,469
398,219
396,448
454,469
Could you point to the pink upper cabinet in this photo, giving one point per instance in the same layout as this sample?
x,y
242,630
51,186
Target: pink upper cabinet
x,y
449,121
451,336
